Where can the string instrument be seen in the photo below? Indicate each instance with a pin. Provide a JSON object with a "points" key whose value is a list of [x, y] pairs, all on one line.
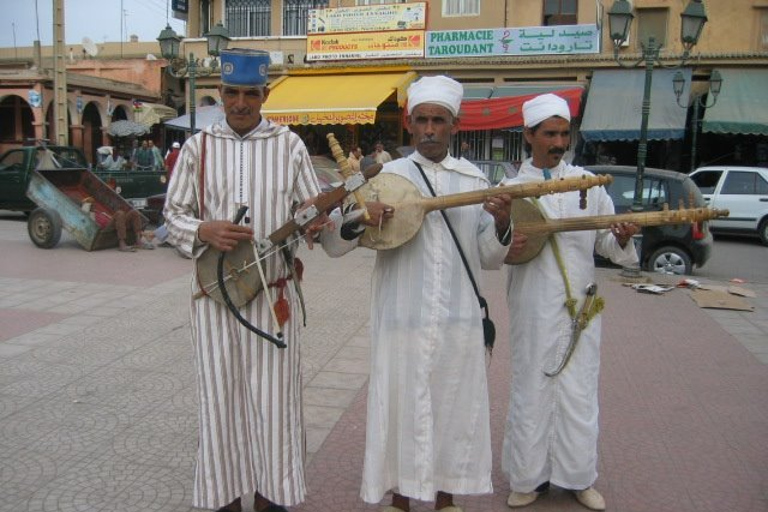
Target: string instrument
{"points": [[410, 206], [242, 273], [529, 220]]}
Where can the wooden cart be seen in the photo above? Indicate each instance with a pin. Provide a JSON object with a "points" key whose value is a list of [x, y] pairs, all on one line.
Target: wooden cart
{"points": [[59, 192]]}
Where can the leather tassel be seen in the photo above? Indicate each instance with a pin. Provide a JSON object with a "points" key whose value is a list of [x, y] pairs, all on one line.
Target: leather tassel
{"points": [[282, 309]]}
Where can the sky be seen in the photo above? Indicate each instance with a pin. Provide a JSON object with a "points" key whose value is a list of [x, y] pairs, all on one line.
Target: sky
{"points": [[98, 20]]}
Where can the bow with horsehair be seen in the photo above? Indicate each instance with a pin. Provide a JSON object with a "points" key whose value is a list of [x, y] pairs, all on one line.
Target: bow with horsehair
{"points": [[353, 181]]}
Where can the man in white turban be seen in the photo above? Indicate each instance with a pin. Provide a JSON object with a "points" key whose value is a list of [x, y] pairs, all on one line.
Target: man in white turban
{"points": [[428, 433], [552, 424]]}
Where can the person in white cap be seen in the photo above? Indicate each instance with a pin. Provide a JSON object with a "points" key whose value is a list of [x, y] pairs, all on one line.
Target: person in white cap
{"points": [[428, 433], [551, 429], [251, 433], [170, 160]]}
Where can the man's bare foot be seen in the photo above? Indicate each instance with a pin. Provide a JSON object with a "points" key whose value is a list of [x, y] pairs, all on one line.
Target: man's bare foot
{"points": [[123, 247], [261, 504], [232, 507], [401, 502], [443, 500]]}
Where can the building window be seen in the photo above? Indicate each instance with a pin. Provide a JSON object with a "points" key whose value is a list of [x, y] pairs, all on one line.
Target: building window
{"points": [[205, 17], [461, 7], [248, 18], [295, 14], [560, 12], [652, 22], [762, 33]]}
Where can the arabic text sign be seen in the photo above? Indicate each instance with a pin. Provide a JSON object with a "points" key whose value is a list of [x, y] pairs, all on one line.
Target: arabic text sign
{"points": [[305, 118], [553, 40], [367, 45], [368, 18]]}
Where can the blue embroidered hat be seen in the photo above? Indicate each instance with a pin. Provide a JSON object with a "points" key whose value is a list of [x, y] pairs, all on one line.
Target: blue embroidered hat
{"points": [[244, 67]]}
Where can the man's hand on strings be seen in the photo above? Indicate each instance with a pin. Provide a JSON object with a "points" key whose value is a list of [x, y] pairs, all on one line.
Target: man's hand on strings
{"points": [[501, 208], [223, 235], [316, 225], [378, 213], [623, 231]]}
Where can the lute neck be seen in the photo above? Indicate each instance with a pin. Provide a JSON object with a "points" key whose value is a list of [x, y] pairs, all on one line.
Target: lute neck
{"points": [[656, 218], [517, 191]]}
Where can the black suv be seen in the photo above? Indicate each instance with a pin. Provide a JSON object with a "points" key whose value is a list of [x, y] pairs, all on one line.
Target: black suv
{"points": [[672, 248]]}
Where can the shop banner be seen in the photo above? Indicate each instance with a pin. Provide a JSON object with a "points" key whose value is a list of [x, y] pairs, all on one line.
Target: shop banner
{"points": [[551, 40], [368, 18], [305, 118], [369, 45]]}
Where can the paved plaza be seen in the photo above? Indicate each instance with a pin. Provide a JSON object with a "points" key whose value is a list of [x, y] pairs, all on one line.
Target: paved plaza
{"points": [[97, 388]]}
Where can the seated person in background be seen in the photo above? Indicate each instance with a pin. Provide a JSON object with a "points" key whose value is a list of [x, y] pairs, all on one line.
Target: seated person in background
{"points": [[121, 219], [108, 161]]}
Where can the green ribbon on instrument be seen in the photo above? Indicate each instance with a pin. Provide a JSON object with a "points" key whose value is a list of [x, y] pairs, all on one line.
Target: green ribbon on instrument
{"points": [[570, 303]]}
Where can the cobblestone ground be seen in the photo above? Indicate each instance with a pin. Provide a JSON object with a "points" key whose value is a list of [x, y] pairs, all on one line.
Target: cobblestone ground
{"points": [[98, 412]]}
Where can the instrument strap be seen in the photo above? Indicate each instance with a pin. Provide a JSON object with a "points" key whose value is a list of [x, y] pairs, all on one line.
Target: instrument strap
{"points": [[480, 298], [202, 175], [570, 302]]}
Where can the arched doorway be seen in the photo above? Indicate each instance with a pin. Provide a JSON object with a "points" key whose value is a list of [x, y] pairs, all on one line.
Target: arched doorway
{"points": [[16, 118], [119, 114], [92, 137]]}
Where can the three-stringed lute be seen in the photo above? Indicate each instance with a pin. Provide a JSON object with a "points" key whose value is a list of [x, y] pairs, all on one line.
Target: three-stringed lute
{"points": [[529, 220], [410, 206]]}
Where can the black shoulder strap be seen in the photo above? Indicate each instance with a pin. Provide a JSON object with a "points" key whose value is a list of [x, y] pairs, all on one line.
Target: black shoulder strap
{"points": [[480, 298]]}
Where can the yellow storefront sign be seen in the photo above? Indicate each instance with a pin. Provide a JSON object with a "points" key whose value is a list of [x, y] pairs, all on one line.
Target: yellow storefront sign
{"points": [[367, 45]]}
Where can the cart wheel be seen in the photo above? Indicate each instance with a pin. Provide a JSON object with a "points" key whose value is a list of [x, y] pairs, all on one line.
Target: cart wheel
{"points": [[44, 228]]}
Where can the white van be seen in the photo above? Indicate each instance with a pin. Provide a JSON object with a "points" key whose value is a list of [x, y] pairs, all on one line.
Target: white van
{"points": [[741, 190]]}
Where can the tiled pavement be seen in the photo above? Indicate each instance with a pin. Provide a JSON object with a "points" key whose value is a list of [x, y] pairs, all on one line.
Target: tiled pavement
{"points": [[97, 404]]}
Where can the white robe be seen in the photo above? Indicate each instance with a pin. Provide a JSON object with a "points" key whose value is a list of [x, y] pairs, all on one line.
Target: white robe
{"points": [[428, 419], [552, 425], [251, 427]]}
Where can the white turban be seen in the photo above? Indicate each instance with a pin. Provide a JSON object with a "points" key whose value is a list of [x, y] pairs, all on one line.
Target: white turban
{"points": [[439, 90], [543, 107]]}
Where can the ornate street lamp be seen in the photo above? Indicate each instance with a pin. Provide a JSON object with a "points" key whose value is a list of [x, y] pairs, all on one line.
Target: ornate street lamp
{"points": [[619, 21], [218, 39], [715, 84]]}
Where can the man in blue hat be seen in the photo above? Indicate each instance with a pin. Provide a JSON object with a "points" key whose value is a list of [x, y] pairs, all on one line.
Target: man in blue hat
{"points": [[251, 428]]}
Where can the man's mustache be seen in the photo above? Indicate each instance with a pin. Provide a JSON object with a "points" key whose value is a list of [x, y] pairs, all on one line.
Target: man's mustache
{"points": [[556, 151]]}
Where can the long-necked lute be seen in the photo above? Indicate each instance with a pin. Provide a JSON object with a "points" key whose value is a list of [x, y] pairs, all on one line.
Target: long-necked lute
{"points": [[410, 206], [530, 221]]}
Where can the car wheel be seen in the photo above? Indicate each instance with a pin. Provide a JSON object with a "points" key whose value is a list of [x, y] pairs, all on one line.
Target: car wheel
{"points": [[44, 228], [763, 230], [670, 260]]}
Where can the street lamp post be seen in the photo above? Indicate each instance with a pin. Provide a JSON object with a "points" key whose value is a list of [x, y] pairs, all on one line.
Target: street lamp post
{"points": [[619, 21], [170, 43], [715, 84]]}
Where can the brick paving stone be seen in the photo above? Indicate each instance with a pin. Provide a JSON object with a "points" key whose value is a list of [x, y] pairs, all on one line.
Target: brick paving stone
{"points": [[101, 414]]}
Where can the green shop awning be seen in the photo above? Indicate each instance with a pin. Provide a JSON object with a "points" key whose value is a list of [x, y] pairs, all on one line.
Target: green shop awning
{"points": [[742, 105], [615, 105]]}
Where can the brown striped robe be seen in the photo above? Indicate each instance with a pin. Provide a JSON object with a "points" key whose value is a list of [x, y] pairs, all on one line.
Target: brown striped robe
{"points": [[251, 427]]}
